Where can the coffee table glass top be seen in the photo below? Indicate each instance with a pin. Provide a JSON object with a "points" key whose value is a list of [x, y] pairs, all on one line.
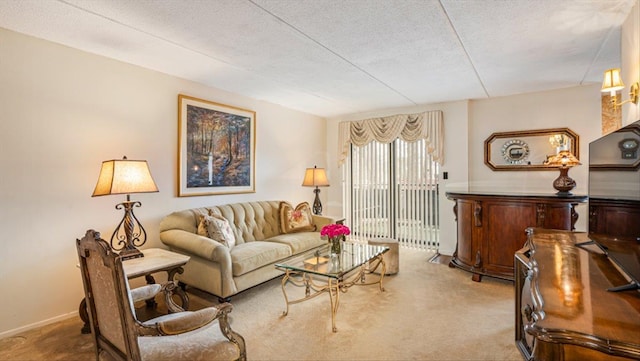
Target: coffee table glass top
{"points": [[319, 261]]}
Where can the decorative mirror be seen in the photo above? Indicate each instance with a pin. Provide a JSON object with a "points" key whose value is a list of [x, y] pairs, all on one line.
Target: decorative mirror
{"points": [[529, 149], [618, 151], [515, 151], [629, 148]]}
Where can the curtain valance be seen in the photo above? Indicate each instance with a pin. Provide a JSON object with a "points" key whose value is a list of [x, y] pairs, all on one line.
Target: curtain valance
{"points": [[408, 127]]}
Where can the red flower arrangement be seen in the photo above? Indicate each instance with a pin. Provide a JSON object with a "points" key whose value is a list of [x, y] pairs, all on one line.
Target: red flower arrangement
{"points": [[334, 230], [336, 234]]}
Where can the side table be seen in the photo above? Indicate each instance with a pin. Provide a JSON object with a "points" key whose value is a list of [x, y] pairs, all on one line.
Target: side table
{"points": [[154, 260]]}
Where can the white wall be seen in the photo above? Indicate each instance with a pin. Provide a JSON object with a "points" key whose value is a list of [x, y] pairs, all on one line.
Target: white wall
{"points": [[630, 62], [63, 112]]}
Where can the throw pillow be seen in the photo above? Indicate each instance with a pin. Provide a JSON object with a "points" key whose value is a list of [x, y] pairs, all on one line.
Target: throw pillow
{"points": [[217, 228], [202, 227], [298, 219]]}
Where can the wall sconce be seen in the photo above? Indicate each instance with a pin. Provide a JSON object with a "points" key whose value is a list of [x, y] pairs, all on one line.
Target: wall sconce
{"points": [[316, 177], [612, 83], [123, 176]]}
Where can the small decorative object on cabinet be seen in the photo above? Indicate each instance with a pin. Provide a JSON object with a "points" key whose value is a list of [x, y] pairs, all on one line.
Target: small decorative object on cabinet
{"points": [[563, 308], [563, 161], [491, 227]]}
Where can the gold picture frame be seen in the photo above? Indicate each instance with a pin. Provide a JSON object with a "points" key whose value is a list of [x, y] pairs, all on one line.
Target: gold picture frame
{"points": [[216, 148]]}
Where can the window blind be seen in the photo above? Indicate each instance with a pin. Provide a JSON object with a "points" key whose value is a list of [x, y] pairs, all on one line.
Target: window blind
{"points": [[391, 191]]}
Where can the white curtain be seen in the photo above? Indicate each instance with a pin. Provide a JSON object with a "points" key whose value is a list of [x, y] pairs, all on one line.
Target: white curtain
{"points": [[408, 127]]}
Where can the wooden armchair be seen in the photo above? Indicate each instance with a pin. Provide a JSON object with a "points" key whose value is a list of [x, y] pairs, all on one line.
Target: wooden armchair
{"points": [[200, 335]]}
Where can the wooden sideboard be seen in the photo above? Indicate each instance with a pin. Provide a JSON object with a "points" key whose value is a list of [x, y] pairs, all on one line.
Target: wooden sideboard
{"points": [[614, 217], [491, 227], [563, 308]]}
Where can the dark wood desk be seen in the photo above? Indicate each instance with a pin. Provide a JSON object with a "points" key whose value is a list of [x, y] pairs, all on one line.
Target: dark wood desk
{"points": [[563, 308]]}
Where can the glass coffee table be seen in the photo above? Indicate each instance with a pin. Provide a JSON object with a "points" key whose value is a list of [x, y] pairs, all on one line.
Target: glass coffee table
{"points": [[319, 272]]}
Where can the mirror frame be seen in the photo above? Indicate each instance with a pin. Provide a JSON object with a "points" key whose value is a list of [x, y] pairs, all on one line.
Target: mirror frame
{"points": [[575, 147], [633, 129]]}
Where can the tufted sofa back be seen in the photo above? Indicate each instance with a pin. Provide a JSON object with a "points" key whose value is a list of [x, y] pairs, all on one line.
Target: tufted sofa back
{"points": [[250, 221]]}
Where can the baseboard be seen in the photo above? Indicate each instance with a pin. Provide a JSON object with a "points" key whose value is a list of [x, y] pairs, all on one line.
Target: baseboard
{"points": [[32, 326]]}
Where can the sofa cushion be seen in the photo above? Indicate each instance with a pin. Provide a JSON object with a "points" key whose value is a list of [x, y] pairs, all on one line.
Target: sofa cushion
{"points": [[249, 256], [299, 242], [252, 221], [217, 228], [298, 219]]}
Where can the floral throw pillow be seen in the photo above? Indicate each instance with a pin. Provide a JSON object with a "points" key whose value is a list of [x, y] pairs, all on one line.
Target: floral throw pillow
{"points": [[298, 219], [217, 228]]}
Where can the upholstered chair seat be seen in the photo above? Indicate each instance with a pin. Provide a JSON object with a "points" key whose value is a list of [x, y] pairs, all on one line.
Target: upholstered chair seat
{"points": [[186, 345]]}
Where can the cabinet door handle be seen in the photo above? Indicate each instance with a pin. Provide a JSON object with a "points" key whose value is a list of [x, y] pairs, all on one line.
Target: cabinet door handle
{"points": [[478, 264], [477, 213]]}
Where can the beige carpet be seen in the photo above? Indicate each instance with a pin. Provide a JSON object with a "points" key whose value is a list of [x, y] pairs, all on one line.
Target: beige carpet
{"points": [[428, 312]]}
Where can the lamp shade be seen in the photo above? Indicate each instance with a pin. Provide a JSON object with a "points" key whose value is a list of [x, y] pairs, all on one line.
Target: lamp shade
{"points": [[563, 159], [315, 177], [612, 81], [123, 176]]}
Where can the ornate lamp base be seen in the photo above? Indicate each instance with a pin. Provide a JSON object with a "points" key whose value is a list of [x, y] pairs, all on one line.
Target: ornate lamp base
{"points": [[129, 233], [564, 184], [129, 253], [317, 206]]}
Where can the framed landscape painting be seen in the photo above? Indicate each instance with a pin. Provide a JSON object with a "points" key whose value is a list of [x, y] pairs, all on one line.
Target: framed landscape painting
{"points": [[216, 148]]}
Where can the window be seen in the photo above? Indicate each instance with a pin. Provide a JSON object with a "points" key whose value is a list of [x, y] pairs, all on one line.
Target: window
{"points": [[391, 191]]}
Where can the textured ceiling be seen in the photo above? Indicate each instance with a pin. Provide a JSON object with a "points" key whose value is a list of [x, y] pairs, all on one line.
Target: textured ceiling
{"points": [[333, 57]]}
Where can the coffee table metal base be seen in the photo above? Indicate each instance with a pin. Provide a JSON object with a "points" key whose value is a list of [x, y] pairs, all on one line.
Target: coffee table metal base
{"points": [[333, 286]]}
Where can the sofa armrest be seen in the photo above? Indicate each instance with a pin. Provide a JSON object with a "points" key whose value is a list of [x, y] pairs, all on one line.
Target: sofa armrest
{"points": [[321, 221], [197, 245]]}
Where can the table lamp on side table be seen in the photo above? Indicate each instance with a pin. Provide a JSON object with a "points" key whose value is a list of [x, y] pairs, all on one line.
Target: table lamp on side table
{"points": [[124, 176], [316, 177]]}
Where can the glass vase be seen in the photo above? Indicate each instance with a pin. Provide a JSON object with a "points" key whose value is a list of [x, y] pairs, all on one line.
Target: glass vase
{"points": [[336, 244]]}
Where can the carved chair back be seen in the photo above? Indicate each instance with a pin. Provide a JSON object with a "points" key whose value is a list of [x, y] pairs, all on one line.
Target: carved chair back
{"points": [[106, 291]]}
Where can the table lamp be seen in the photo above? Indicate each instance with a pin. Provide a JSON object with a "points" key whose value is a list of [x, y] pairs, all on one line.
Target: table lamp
{"points": [[316, 177], [563, 160], [124, 176]]}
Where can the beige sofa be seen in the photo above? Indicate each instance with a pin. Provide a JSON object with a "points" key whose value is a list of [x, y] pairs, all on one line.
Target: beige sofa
{"points": [[259, 244]]}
